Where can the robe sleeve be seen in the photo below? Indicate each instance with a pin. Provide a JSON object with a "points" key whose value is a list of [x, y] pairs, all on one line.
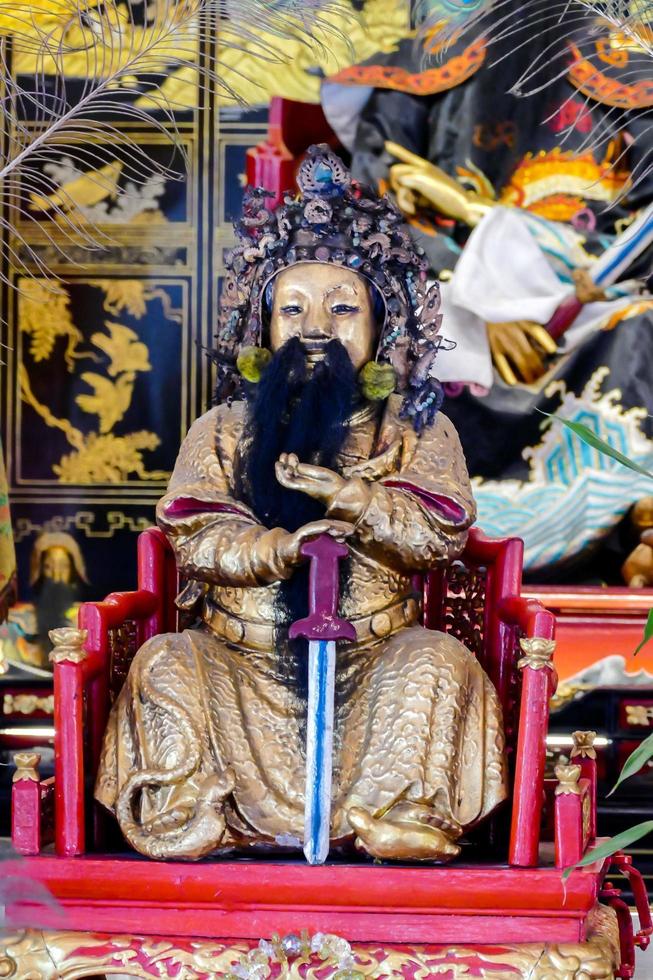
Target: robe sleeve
{"points": [[216, 538], [418, 516]]}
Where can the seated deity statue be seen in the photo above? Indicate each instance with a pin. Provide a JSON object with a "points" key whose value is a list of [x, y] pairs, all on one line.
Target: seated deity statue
{"points": [[326, 421]]}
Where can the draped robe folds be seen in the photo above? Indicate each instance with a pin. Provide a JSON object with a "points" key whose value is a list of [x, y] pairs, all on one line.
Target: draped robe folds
{"points": [[204, 749]]}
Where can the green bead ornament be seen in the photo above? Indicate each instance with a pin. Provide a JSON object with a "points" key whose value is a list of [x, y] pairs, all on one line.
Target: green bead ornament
{"points": [[377, 381], [252, 362]]}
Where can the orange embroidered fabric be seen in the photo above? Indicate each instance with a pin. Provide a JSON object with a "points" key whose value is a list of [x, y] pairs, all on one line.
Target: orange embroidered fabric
{"points": [[591, 81], [429, 82]]}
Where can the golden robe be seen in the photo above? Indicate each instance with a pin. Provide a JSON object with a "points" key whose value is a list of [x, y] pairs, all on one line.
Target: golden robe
{"points": [[204, 748]]}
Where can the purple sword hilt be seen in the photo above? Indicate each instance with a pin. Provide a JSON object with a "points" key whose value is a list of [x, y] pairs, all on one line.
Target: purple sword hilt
{"points": [[564, 316], [323, 622]]}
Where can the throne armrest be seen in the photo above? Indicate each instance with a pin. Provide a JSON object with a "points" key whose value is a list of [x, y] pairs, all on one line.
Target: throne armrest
{"points": [[535, 627], [81, 679], [573, 815]]}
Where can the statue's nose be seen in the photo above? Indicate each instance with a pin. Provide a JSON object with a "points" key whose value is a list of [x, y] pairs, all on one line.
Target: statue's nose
{"points": [[316, 331], [318, 326]]}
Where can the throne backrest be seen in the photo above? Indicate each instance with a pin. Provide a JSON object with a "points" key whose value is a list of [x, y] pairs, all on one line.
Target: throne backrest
{"points": [[467, 600]]}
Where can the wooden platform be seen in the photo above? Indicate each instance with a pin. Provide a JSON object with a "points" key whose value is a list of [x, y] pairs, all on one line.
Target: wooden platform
{"points": [[367, 903]]}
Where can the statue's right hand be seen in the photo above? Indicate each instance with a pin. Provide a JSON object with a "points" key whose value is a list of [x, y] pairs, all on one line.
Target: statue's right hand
{"points": [[289, 549]]}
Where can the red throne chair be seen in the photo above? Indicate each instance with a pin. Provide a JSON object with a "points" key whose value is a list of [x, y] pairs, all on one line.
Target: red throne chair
{"points": [[111, 910]]}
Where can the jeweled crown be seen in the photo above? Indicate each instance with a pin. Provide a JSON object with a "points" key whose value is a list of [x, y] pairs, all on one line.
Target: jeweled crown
{"points": [[334, 219]]}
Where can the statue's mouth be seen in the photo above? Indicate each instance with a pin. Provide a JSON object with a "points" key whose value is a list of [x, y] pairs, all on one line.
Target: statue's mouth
{"points": [[315, 349]]}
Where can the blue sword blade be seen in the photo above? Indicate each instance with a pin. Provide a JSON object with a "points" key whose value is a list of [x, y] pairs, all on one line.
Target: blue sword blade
{"points": [[319, 749]]}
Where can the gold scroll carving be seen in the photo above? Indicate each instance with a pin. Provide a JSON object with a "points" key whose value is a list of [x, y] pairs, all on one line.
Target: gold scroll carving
{"points": [[64, 955]]}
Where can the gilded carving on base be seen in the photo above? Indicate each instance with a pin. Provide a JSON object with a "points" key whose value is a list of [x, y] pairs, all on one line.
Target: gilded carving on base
{"points": [[67, 955]]}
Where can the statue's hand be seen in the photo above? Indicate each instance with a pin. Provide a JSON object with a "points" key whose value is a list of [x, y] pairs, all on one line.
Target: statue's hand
{"points": [[519, 350], [416, 178], [289, 548], [316, 481]]}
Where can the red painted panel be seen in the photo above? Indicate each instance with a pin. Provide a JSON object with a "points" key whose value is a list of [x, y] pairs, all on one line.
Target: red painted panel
{"points": [[278, 884], [258, 922], [26, 816], [568, 829]]}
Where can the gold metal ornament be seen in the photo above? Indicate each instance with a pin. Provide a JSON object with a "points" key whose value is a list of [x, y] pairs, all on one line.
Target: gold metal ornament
{"points": [[68, 645], [538, 653], [583, 745], [26, 767], [567, 777]]}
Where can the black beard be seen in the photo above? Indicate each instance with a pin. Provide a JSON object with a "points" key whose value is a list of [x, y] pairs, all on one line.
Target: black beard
{"points": [[293, 411]]}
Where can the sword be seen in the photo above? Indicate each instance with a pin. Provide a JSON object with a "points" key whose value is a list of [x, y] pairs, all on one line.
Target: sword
{"points": [[621, 253], [322, 627]]}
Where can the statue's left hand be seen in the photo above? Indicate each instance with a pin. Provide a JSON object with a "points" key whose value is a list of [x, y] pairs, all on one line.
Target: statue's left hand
{"points": [[519, 350], [317, 481]]}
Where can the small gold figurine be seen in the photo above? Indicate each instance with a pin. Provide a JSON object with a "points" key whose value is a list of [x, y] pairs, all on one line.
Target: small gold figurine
{"points": [[205, 747]]}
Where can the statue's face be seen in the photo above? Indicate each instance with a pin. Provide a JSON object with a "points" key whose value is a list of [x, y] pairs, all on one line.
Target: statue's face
{"points": [[318, 302], [57, 565]]}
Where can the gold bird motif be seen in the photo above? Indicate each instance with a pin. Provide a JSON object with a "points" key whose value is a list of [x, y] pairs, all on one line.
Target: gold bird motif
{"points": [[110, 399]]}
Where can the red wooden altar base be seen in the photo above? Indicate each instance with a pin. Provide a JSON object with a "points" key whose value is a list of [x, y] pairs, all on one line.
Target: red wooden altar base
{"points": [[488, 905]]}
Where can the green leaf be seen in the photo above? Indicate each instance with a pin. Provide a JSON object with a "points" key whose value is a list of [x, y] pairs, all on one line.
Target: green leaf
{"points": [[609, 847], [637, 758], [648, 632], [591, 439]]}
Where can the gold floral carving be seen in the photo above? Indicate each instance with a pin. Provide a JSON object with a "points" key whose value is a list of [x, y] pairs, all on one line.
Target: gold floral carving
{"points": [[538, 653], [583, 745], [98, 456], [639, 714], [68, 645], [26, 769], [94, 195], [567, 777], [566, 693], [27, 704], [66, 955], [44, 317]]}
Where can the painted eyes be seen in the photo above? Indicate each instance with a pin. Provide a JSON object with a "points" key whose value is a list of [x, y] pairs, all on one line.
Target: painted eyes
{"points": [[340, 309], [344, 309]]}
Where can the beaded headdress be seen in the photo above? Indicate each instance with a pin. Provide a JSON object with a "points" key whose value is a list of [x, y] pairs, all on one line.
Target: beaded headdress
{"points": [[334, 219]]}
